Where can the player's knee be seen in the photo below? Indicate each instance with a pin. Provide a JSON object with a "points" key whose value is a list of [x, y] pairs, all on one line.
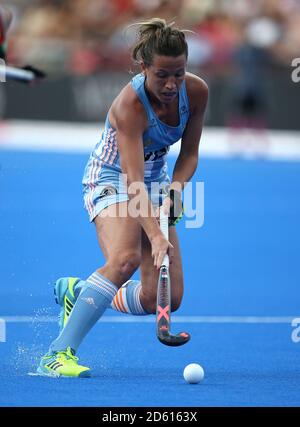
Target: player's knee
{"points": [[127, 263]]}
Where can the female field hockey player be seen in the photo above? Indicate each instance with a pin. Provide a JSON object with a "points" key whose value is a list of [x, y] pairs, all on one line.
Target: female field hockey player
{"points": [[158, 107]]}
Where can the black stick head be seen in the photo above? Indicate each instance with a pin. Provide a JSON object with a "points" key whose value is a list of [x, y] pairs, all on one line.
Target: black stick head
{"points": [[173, 340], [38, 74]]}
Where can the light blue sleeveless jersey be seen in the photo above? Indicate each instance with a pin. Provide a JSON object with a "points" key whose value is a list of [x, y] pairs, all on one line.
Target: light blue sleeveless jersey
{"points": [[156, 139]]}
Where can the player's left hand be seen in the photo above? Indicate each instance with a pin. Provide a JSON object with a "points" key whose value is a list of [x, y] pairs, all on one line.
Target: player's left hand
{"points": [[172, 206]]}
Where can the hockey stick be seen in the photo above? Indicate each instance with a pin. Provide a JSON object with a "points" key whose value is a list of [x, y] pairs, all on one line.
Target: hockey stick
{"points": [[163, 307], [27, 74]]}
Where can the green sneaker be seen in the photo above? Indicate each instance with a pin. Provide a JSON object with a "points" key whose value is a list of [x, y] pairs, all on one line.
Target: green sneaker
{"points": [[62, 364], [65, 297]]}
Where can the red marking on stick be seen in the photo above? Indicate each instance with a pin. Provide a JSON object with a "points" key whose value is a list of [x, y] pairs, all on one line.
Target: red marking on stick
{"points": [[163, 312]]}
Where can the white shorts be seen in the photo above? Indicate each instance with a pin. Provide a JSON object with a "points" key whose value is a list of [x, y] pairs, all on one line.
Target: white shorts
{"points": [[104, 185]]}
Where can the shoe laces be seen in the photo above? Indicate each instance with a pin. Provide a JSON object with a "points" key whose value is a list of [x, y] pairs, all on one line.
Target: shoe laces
{"points": [[68, 354]]}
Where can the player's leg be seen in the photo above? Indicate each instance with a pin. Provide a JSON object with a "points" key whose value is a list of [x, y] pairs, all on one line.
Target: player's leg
{"points": [[102, 187], [149, 275], [122, 259], [119, 239], [127, 298], [138, 297], [121, 254]]}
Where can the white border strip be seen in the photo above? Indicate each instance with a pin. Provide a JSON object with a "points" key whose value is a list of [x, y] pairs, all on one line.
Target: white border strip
{"points": [[82, 137], [2, 330], [151, 319]]}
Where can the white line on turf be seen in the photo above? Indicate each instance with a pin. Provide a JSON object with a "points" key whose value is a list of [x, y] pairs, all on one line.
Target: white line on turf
{"points": [[151, 319]]}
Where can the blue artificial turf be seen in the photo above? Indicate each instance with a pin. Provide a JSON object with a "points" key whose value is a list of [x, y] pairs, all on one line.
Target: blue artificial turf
{"points": [[242, 262]]}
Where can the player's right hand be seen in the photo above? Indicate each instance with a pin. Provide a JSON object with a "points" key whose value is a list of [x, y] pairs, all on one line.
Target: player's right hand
{"points": [[160, 247]]}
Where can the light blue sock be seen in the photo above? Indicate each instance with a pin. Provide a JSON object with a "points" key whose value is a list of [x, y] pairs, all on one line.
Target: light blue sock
{"points": [[127, 299], [95, 296]]}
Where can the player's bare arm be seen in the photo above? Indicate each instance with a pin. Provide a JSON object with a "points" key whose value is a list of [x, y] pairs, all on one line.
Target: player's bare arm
{"points": [[187, 160]]}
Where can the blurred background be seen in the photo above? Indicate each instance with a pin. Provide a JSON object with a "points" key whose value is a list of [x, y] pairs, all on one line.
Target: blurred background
{"points": [[242, 48]]}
